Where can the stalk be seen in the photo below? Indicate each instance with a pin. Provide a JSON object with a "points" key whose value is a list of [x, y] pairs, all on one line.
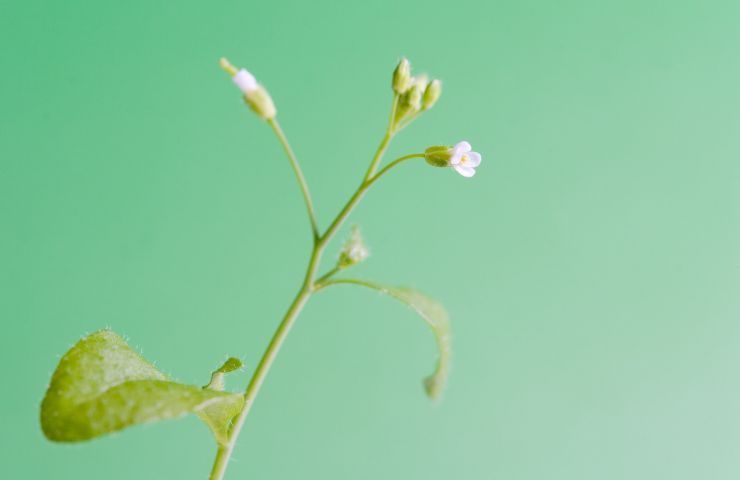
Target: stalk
{"points": [[309, 286]]}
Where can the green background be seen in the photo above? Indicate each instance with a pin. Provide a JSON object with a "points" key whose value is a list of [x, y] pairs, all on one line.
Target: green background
{"points": [[591, 268]]}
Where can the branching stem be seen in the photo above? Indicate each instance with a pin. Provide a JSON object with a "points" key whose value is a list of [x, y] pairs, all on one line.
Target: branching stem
{"points": [[310, 282]]}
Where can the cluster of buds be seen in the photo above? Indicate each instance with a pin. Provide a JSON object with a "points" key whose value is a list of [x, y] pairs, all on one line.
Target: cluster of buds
{"points": [[255, 95], [415, 94], [354, 250]]}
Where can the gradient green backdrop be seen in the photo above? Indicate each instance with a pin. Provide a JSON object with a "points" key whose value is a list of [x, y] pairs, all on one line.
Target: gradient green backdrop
{"points": [[591, 268]]}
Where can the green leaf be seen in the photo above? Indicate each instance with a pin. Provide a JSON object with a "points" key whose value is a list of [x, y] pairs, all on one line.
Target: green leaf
{"points": [[435, 316], [217, 377], [102, 385]]}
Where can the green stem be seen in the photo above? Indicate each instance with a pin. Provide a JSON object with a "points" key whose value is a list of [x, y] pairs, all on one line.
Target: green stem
{"points": [[327, 275], [310, 285], [405, 123], [393, 164], [389, 133], [224, 452], [320, 285], [299, 175], [357, 196], [220, 463]]}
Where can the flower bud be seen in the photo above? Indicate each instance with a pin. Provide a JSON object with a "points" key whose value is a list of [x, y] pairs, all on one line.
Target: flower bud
{"points": [[410, 101], [245, 81], [438, 155], [413, 96], [255, 94], [431, 94], [354, 250], [261, 103], [402, 76]]}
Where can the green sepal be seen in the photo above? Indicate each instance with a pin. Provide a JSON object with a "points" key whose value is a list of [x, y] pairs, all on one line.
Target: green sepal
{"points": [[261, 103], [402, 76], [438, 155], [431, 94], [102, 385]]}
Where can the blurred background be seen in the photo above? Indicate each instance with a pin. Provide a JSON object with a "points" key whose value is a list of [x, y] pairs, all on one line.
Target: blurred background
{"points": [[591, 268]]}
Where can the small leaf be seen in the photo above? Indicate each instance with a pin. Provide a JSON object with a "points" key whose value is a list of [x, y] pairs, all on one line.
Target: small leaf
{"points": [[435, 316], [217, 377], [216, 416], [102, 385], [230, 365]]}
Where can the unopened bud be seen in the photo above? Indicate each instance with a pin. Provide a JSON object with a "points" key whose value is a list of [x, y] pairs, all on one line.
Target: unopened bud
{"points": [[413, 99], [438, 155], [261, 103], [402, 76], [410, 101], [245, 81], [431, 94], [255, 94], [354, 250]]}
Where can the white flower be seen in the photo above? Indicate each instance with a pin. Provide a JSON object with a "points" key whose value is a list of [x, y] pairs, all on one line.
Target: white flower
{"points": [[463, 160], [245, 81]]}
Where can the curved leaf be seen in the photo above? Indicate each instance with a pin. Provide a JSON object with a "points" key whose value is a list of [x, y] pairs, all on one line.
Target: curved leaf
{"points": [[435, 316], [102, 385], [217, 377]]}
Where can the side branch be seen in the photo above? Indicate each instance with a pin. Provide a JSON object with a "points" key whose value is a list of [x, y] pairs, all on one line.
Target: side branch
{"points": [[299, 175], [355, 199]]}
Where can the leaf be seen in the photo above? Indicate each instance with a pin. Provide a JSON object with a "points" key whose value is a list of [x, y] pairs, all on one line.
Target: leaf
{"points": [[435, 316], [216, 416], [217, 377], [102, 385]]}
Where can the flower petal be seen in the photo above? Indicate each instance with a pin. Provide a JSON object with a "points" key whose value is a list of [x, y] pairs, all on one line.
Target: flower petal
{"points": [[464, 171], [462, 147], [456, 157], [245, 81], [474, 159]]}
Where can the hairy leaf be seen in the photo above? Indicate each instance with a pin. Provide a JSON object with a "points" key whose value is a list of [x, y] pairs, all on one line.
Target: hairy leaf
{"points": [[435, 316], [102, 385]]}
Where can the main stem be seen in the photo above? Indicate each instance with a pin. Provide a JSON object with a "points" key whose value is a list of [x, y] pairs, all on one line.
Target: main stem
{"points": [[310, 284], [224, 452]]}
